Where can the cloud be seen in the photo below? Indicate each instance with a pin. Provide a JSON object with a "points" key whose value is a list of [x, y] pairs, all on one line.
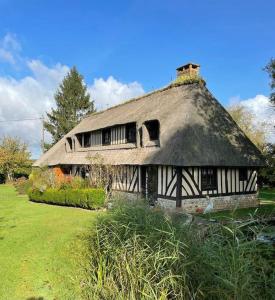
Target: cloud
{"points": [[29, 98], [110, 92], [262, 110], [9, 49], [33, 95]]}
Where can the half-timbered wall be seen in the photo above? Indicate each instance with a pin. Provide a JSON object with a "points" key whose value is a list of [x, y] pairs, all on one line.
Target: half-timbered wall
{"points": [[167, 181], [126, 178], [190, 182]]}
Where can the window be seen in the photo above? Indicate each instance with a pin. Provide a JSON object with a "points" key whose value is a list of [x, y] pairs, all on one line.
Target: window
{"points": [[87, 139], [243, 174], [70, 143], [153, 129], [131, 132], [106, 136], [79, 139], [208, 179]]}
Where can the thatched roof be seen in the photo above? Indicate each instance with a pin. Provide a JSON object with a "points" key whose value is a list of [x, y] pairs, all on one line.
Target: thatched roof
{"points": [[195, 130]]}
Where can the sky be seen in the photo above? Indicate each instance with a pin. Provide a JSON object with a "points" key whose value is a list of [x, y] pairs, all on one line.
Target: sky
{"points": [[127, 48]]}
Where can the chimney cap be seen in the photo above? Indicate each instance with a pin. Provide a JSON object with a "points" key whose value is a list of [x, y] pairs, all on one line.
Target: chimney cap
{"points": [[186, 66]]}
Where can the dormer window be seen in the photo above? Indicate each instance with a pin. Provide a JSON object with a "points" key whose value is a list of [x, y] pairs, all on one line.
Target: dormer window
{"points": [[131, 133], [152, 127], [87, 139], [106, 136], [69, 144]]}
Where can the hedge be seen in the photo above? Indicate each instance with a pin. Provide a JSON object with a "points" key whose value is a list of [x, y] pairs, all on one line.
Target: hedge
{"points": [[84, 198]]}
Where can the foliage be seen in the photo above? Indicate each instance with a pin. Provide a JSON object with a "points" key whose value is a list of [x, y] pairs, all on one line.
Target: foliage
{"points": [[73, 104], [101, 173], [138, 253], [266, 175], [44, 178], [22, 185], [14, 157], [187, 79], [270, 68], [84, 198], [246, 121], [42, 248]]}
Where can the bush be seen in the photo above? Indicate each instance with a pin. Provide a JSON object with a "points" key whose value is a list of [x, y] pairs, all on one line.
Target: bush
{"points": [[84, 198], [138, 253], [22, 185]]}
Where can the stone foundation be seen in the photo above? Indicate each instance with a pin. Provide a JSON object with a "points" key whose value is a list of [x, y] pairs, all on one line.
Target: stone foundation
{"points": [[228, 202], [195, 205], [125, 195]]}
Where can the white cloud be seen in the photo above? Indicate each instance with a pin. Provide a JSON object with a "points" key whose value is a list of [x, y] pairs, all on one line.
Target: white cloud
{"points": [[9, 49], [28, 98], [263, 111], [6, 56], [109, 92], [33, 95]]}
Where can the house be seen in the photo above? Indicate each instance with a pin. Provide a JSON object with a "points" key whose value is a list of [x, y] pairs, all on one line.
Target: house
{"points": [[176, 146]]}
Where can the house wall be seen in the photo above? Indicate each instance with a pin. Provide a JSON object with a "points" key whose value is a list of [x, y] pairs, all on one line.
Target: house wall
{"points": [[126, 179], [228, 182], [181, 187]]}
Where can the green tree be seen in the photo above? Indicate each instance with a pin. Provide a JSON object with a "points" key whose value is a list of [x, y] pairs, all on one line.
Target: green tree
{"points": [[14, 157], [245, 119], [267, 175], [270, 68], [72, 105]]}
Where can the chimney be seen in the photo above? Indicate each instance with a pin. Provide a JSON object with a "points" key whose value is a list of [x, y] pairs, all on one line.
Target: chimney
{"points": [[189, 69]]}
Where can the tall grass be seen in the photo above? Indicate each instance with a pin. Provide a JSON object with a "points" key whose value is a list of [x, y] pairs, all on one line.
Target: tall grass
{"points": [[138, 253]]}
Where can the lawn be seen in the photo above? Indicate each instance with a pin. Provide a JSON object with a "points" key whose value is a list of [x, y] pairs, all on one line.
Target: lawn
{"points": [[265, 209], [41, 248]]}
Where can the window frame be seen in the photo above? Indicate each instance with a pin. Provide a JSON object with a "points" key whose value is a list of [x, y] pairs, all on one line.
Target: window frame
{"points": [[209, 181]]}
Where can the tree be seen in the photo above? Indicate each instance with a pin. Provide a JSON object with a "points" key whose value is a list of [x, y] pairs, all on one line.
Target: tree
{"points": [[72, 105], [245, 119], [14, 157], [267, 175], [270, 68]]}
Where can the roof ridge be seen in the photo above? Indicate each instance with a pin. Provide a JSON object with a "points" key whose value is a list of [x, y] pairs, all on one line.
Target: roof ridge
{"points": [[171, 85]]}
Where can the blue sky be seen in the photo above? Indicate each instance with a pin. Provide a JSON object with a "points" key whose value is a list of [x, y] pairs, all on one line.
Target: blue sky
{"points": [[143, 41]]}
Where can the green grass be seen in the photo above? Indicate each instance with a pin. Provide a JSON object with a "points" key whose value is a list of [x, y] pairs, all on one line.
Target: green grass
{"points": [[265, 209], [140, 253], [41, 248]]}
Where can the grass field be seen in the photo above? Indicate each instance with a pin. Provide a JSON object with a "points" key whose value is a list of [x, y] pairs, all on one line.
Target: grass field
{"points": [[265, 209], [41, 248]]}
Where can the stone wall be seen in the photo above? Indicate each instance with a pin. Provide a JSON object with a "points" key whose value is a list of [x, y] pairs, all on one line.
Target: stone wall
{"points": [[228, 202], [125, 195]]}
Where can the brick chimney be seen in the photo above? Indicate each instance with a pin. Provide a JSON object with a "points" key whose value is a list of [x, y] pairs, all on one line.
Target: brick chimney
{"points": [[189, 69]]}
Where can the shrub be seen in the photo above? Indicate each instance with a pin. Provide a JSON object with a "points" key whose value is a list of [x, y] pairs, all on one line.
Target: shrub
{"points": [[84, 198], [138, 253], [22, 185]]}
